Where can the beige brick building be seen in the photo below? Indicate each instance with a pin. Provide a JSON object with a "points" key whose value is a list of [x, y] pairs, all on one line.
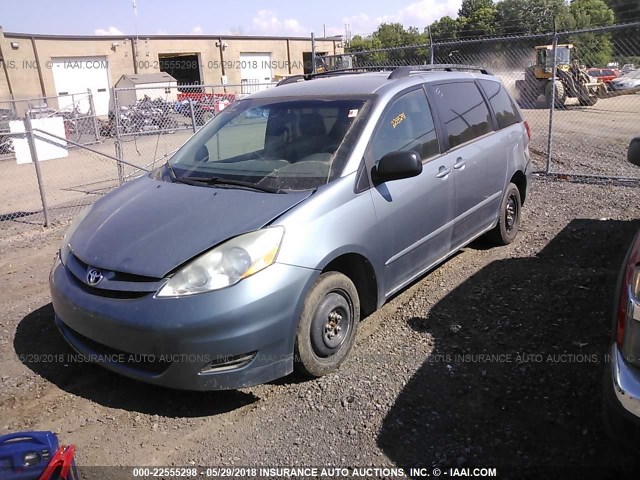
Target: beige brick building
{"points": [[34, 66]]}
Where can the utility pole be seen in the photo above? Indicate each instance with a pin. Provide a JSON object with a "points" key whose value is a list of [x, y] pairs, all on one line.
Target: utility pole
{"points": [[554, 50], [313, 53], [431, 49], [135, 28]]}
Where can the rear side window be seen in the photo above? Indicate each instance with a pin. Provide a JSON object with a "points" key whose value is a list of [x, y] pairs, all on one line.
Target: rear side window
{"points": [[406, 125], [501, 103], [463, 110]]}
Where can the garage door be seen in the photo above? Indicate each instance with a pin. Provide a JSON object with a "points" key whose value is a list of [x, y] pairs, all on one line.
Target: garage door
{"points": [[77, 75], [255, 69]]}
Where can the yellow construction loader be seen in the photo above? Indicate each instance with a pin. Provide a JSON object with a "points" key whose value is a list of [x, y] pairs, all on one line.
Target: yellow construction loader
{"points": [[571, 80]]}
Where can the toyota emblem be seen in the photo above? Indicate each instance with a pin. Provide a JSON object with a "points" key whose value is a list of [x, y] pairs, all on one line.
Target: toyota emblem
{"points": [[94, 276]]}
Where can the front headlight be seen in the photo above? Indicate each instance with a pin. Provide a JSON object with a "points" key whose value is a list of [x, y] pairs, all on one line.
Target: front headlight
{"points": [[65, 249], [226, 264]]}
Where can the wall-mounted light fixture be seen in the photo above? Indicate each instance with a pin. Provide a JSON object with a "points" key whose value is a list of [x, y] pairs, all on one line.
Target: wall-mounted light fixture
{"points": [[15, 45], [224, 45], [114, 45]]}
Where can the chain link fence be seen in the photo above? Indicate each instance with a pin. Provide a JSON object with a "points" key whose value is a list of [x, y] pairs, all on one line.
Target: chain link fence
{"points": [[50, 172], [44, 158], [581, 122], [586, 130], [149, 123]]}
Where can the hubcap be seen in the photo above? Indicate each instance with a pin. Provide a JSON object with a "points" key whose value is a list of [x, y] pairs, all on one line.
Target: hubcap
{"points": [[333, 329], [331, 325]]}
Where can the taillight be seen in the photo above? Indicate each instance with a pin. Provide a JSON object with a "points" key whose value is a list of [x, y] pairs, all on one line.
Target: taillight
{"points": [[528, 129], [630, 285]]}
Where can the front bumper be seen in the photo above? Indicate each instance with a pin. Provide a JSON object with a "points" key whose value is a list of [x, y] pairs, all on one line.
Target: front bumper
{"points": [[186, 342]]}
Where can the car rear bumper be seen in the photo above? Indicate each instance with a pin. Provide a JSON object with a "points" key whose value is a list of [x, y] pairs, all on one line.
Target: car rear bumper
{"points": [[625, 383], [231, 338]]}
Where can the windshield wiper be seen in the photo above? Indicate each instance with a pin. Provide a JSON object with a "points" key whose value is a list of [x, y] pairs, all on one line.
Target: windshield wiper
{"points": [[226, 181], [172, 173]]}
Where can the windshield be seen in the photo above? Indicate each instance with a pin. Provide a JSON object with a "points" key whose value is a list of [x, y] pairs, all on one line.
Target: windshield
{"points": [[601, 73], [277, 144], [563, 56], [633, 74]]}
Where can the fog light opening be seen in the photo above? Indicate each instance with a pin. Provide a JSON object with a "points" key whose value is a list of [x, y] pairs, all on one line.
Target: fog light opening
{"points": [[228, 362]]}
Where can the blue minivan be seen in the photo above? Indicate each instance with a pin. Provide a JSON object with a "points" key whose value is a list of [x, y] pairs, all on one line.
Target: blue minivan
{"points": [[290, 216]]}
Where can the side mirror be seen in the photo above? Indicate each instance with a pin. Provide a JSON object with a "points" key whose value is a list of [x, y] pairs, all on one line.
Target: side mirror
{"points": [[633, 153], [397, 165]]}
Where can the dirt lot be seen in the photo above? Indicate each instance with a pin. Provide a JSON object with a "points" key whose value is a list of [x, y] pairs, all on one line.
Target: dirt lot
{"points": [[589, 140], [407, 396]]}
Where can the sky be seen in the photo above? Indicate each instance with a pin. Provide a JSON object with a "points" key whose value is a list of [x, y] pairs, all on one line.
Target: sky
{"points": [[211, 17]]}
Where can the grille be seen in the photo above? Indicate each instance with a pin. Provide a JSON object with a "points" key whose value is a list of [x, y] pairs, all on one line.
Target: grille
{"points": [[114, 284], [146, 363], [101, 292]]}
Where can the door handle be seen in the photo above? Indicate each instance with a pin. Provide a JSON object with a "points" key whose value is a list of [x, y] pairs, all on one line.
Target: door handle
{"points": [[459, 163], [443, 172]]}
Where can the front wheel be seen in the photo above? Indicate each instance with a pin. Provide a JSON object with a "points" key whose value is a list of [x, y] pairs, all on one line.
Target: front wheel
{"points": [[327, 327], [508, 225], [560, 94]]}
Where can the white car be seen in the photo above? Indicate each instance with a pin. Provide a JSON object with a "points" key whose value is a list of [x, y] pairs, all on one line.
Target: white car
{"points": [[627, 82]]}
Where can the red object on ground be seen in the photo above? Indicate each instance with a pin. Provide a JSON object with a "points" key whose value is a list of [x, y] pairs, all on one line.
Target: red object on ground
{"points": [[206, 97], [62, 465]]}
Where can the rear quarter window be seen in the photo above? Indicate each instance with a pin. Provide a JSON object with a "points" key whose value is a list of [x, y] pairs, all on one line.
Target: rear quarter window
{"points": [[501, 103], [463, 111]]}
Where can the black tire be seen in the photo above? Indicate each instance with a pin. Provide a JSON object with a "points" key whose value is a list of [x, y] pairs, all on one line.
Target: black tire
{"points": [[327, 326], [560, 94], [508, 225]]}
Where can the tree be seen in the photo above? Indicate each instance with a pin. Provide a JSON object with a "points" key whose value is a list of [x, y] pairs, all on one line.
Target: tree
{"points": [[531, 16], [390, 35], [594, 49], [591, 13], [481, 23], [468, 7], [625, 10], [395, 35], [446, 28], [360, 44], [477, 18]]}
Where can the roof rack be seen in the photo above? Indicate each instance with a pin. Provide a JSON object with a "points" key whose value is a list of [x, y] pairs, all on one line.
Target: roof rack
{"points": [[401, 72], [398, 72], [343, 71], [329, 73], [291, 79]]}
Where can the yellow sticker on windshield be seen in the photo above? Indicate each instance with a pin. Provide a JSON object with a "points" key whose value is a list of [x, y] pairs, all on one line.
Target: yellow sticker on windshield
{"points": [[398, 120]]}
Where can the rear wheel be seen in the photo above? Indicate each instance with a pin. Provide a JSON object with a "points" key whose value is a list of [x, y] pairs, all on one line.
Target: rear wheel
{"points": [[327, 327], [527, 93], [508, 225]]}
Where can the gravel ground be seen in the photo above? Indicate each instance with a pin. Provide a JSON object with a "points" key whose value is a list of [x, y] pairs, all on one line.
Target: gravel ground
{"points": [[589, 140], [493, 359]]}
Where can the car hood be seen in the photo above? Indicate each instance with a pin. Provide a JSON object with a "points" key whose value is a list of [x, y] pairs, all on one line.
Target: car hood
{"points": [[627, 81], [149, 227]]}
